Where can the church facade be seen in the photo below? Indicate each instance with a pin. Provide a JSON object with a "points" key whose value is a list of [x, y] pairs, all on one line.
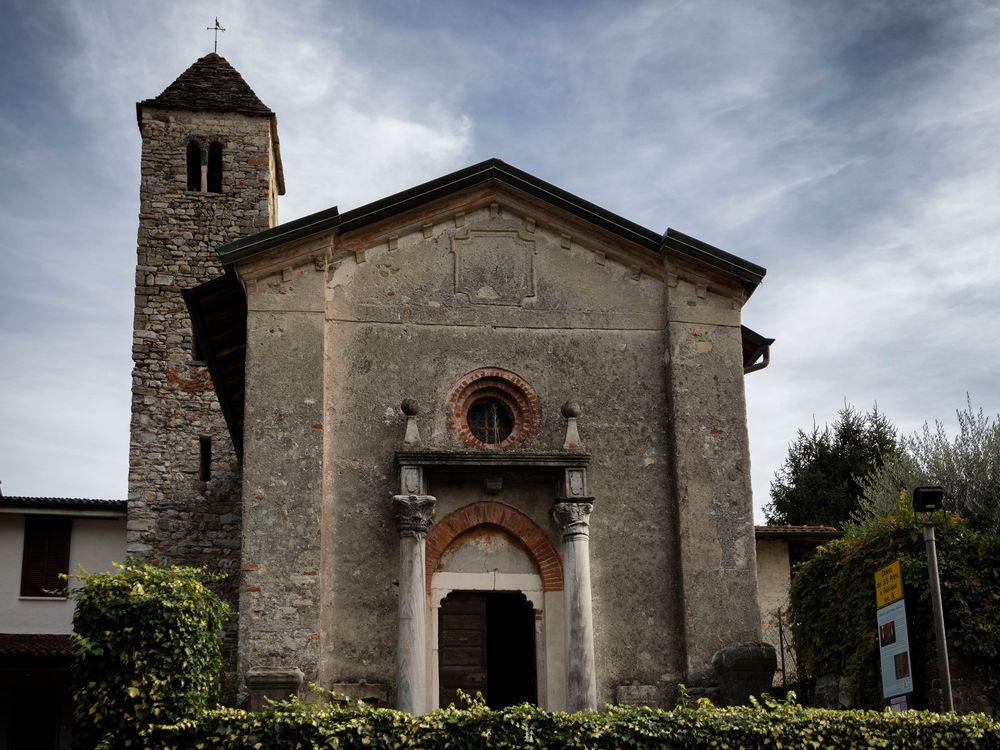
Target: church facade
{"points": [[479, 435]]}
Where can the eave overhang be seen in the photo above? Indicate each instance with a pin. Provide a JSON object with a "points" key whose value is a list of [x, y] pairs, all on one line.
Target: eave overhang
{"points": [[756, 350], [218, 310], [494, 170]]}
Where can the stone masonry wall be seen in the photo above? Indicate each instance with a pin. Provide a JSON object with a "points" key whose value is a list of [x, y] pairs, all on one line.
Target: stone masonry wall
{"points": [[173, 516]]}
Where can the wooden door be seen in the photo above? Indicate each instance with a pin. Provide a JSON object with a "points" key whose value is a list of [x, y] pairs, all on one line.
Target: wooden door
{"points": [[462, 646]]}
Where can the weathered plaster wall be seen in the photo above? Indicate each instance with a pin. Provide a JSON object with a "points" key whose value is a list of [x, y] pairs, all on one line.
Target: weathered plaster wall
{"points": [[408, 309], [711, 457], [173, 517], [573, 328], [280, 598], [578, 325], [773, 581]]}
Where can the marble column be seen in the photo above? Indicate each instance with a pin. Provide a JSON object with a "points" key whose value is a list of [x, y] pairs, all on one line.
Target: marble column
{"points": [[581, 682], [415, 513]]}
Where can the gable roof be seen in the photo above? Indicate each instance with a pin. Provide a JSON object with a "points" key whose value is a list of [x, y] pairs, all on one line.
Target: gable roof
{"points": [[218, 307], [496, 170], [212, 84]]}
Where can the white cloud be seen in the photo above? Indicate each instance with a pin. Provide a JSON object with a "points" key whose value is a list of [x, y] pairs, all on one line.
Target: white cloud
{"points": [[850, 148]]}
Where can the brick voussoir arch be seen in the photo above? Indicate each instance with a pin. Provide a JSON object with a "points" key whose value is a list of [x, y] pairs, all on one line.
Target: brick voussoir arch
{"points": [[508, 518]]}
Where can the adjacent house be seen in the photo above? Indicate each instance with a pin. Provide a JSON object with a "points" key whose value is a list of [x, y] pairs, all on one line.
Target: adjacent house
{"points": [[42, 540]]}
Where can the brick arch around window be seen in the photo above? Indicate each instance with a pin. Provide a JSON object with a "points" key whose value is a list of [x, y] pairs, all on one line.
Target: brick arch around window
{"points": [[508, 518]]}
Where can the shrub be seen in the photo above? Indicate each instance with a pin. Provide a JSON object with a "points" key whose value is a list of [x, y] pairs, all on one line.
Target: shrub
{"points": [[294, 725], [147, 649], [833, 601]]}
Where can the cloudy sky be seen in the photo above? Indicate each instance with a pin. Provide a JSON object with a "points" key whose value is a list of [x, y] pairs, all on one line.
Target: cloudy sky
{"points": [[851, 148]]}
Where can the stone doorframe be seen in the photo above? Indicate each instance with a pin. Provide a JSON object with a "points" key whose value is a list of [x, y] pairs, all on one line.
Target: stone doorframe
{"points": [[545, 586], [527, 584]]}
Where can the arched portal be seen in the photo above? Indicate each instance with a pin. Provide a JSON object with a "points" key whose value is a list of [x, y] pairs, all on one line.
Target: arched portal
{"points": [[443, 534], [496, 609]]}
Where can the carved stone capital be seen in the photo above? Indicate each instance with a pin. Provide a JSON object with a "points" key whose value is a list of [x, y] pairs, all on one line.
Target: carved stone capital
{"points": [[414, 512], [574, 518]]}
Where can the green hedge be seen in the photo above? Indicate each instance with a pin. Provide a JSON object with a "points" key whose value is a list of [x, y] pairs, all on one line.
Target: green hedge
{"points": [[833, 602], [295, 725], [147, 649]]}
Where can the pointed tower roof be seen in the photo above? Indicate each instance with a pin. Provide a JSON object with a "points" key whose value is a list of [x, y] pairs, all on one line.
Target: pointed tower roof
{"points": [[211, 83]]}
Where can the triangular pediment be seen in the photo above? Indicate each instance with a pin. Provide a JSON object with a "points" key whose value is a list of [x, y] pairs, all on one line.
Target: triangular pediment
{"points": [[482, 183], [487, 216]]}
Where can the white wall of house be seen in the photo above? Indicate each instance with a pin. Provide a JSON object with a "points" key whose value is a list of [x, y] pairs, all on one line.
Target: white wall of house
{"points": [[773, 581], [94, 544]]}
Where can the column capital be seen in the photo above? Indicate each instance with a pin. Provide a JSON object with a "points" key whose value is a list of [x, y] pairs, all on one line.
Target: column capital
{"points": [[414, 513], [574, 517]]}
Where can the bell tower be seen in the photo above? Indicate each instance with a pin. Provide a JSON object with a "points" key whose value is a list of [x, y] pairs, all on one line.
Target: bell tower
{"points": [[211, 174]]}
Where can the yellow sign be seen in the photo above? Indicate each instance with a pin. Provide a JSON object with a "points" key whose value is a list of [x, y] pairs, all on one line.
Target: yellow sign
{"points": [[888, 585]]}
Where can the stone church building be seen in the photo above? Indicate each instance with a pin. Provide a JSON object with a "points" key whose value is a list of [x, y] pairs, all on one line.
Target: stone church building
{"points": [[478, 435]]}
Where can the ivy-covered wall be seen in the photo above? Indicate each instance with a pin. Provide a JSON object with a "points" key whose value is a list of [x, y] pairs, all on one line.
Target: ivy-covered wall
{"points": [[833, 610]]}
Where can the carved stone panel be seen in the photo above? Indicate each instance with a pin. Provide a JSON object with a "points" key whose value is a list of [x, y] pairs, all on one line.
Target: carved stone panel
{"points": [[494, 266]]}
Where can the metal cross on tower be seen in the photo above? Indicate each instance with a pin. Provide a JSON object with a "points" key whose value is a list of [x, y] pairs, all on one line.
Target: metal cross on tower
{"points": [[217, 28]]}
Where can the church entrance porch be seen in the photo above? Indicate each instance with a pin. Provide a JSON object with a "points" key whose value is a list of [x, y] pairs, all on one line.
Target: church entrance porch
{"points": [[486, 644]]}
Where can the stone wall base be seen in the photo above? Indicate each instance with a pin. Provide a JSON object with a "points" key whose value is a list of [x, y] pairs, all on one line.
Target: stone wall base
{"points": [[272, 683]]}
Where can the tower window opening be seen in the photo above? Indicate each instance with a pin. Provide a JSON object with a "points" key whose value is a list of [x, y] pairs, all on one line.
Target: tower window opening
{"points": [[215, 168], [193, 166], [205, 464], [197, 355]]}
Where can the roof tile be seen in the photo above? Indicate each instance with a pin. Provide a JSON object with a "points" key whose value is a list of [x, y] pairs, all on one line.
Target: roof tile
{"points": [[35, 644], [19, 501]]}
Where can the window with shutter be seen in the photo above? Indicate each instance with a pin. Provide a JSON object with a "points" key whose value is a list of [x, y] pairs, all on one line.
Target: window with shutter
{"points": [[46, 556]]}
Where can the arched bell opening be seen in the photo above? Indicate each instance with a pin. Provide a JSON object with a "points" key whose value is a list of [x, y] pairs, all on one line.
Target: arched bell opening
{"points": [[214, 172], [194, 166]]}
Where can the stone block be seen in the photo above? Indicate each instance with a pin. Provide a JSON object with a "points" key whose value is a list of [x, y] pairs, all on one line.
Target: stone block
{"points": [[743, 670], [272, 683], [374, 694], [637, 695]]}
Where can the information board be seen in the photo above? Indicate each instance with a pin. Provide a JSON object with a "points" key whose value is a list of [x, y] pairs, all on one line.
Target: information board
{"points": [[888, 585], [893, 639]]}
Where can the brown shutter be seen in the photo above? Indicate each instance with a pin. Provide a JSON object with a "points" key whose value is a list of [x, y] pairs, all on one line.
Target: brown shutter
{"points": [[46, 555]]}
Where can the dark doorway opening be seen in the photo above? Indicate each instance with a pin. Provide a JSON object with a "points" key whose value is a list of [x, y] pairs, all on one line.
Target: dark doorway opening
{"points": [[486, 644]]}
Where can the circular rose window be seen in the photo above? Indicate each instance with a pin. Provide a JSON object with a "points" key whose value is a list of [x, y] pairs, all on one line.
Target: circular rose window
{"points": [[490, 421], [492, 408]]}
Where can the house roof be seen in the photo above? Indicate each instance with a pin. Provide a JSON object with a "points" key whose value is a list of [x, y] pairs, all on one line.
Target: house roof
{"points": [[211, 83], [798, 533], [47, 503], [35, 644]]}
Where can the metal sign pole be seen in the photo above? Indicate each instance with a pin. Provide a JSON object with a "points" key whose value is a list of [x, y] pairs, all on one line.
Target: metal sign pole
{"points": [[942, 642]]}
